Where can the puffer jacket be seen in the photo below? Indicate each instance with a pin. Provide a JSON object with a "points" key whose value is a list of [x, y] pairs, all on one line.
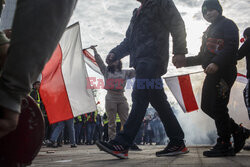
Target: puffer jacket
{"points": [[147, 37], [220, 44]]}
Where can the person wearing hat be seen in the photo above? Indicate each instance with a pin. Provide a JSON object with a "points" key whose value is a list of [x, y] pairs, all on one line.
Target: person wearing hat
{"points": [[218, 58]]}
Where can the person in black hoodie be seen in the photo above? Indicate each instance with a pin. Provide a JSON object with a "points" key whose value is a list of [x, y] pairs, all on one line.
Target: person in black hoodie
{"points": [[244, 51], [218, 58]]}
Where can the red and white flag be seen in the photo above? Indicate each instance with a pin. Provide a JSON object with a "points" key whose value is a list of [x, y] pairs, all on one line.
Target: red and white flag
{"points": [[241, 78], [182, 90], [90, 61], [64, 80]]}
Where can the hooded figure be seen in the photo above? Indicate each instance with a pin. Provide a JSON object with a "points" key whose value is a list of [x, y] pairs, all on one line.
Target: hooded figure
{"points": [[218, 58], [210, 5]]}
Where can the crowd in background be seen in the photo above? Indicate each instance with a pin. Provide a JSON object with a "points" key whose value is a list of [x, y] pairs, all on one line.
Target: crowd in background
{"points": [[86, 129], [92, 126]]}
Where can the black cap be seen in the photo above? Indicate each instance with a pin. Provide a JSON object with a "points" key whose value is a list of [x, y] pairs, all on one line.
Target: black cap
{"points": [[210, 5], [246, 33], [36, 82]]}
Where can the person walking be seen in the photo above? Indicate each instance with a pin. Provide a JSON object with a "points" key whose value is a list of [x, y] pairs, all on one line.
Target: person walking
{"points": [[147, 43], [244, 51], [218, 58]]}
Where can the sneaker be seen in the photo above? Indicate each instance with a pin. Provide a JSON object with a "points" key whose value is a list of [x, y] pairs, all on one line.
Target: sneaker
{"points": [[134, 147], [59, 144], [80, 143], [173, 149], [221, 149], [246, 148], [73, 146], [52, 144], [240, 138], [113, 148]]}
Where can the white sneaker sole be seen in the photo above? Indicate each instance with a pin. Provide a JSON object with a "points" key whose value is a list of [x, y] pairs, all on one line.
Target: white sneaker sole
{"points": [[107, 150], [173, 153]]}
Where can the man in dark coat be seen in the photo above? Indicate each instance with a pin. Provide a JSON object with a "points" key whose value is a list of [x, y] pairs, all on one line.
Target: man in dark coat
{"points": [[147, 43], [218, 58], [244, 51]]}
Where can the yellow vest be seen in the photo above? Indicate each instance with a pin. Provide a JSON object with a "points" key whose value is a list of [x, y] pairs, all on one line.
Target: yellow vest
{"points": [[117, 118], [94, 116], [38, 98]]}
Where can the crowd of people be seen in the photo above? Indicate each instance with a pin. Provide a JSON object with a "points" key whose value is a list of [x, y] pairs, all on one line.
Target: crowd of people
{"points": [[147, 43], [88, 128]]}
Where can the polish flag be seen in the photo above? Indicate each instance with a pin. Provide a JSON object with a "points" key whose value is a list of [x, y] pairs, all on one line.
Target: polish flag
{"points": [[182, 90], [241, 78], [64, 80], [90, 61]]}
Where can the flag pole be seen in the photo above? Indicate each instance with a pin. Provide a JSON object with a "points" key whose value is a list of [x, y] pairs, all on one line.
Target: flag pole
{"points": [[90, 47], [196, 72]]}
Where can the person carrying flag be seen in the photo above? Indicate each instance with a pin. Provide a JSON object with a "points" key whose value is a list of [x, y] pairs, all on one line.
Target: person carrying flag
{"points": [[218, 58]]}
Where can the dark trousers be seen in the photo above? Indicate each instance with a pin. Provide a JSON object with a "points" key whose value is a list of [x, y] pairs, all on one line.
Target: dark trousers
{"points": [[215, 97], [83, 134], [90, 131], [78, 127], [148, 136], [105, 133], [141, 97], [47, 128], [246, 95], [98, 133]]}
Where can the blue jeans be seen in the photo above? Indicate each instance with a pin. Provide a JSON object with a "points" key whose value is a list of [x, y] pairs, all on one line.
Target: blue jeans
{"points": [[60, 127], [90, 131], [78, 128], [141, 98]]}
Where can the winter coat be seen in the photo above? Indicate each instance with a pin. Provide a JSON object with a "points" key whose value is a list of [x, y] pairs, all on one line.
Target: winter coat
{"points": [[245, 51], [220, 44], [147, 37]]}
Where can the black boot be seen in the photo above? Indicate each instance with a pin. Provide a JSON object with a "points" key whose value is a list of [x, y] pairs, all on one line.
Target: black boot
{"points": [[52, 144], [221, 149], [247, 147], [134, 147], [240, 137]]}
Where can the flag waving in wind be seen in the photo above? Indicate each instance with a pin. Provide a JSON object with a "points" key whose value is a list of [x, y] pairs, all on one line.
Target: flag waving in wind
{"points": [[182, 90], [64, 80], [90, 61]]}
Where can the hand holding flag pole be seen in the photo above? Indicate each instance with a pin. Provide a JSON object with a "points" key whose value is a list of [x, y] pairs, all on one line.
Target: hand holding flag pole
{"points": [[92, 46]]}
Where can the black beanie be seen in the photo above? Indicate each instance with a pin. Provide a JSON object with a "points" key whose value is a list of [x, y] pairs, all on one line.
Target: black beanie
{"points": [[246, 33], [211, 4]]}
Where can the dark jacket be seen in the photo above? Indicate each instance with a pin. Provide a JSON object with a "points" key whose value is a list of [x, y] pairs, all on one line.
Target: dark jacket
{"points": [[220, 44], [244, 51], [147, 37], [36, 96]]}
